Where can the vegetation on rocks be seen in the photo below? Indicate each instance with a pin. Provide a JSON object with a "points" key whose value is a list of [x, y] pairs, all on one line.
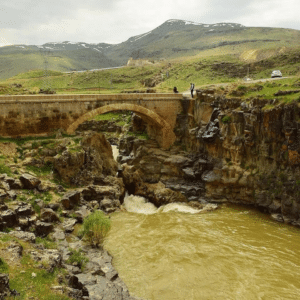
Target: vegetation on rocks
{"points": [[95, 228], [77, 257]]}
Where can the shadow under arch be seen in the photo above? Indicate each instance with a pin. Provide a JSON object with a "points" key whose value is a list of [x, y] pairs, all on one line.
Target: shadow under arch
{"points": [[165, 138]]}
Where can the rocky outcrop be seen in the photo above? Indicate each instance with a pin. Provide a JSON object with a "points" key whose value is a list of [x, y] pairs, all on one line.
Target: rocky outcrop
{"points": [[163, 176], [98, 279], [93, 158], [5, 290], [255, 151], [70, 199], [29, 181]]}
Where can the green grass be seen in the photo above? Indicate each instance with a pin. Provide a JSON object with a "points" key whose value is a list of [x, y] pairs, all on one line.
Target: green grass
{"points": [[78, 257], [198, 69], [37, 287], [6, 238], [39, 171], [3, 266], [24, 140], [109, 116], [45, 196], [47, 242], [5, 169]]}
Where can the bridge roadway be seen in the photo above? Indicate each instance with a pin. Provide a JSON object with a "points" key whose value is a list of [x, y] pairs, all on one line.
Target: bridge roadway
{"points": [[23, 115]]}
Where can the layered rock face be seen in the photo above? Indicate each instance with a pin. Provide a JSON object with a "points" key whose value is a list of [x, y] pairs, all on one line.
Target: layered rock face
{"points": [[162, 176], [256, 152], [93, 159]]}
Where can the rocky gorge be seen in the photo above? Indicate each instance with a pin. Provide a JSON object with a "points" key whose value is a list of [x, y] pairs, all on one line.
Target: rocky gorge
{"points": [[229, 150]]}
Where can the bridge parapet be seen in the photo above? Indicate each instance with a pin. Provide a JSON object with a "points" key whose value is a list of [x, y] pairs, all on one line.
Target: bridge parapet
{"points": [[94, 97]]}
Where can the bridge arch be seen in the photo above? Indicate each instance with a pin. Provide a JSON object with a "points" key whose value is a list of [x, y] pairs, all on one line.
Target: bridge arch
{"points": [[166, 137]]}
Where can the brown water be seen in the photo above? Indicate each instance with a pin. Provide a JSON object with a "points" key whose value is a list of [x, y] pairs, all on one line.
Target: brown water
{"points": [[230, 253]]}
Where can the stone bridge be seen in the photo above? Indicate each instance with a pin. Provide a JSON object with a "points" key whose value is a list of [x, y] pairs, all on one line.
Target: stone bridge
{"points": [[23, 115]]}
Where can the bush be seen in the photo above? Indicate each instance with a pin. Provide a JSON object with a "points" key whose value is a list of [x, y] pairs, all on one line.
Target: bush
{"points": [[77, 257], [242, 88], [95, 228], [226, 119]]}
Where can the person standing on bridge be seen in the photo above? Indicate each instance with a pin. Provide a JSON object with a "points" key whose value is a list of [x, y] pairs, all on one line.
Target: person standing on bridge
{"points": [[192, 89], [175, 90]]}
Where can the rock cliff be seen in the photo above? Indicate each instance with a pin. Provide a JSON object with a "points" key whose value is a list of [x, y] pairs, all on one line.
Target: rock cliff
{"points": [[255, 150]]}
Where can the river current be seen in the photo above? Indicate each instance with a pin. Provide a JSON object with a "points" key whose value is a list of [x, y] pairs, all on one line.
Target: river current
{"points": [[178, 253]]}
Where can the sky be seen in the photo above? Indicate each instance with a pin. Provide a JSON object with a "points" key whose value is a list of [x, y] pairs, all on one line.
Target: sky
{"points": [[35, 22]]}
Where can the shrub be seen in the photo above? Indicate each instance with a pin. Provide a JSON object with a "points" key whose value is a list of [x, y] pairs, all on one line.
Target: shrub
{"points": [[77, 257], [226, 119], [241, 87], [95, 228]]}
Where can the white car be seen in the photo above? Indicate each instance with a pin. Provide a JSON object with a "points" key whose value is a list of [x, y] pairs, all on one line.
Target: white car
{"points": [[276, 73]]}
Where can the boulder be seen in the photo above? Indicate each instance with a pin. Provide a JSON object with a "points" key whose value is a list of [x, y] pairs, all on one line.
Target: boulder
{"points": [[75, 294], [14, 184], [82, 213], [3, 194], [96, 192], [54, 206], [29, 181], [109, 205], [23, 235], [10, 218], [12, 195], [93, 268], [48, 215], [51, 257], [58, 235], [4, 286], [24, 211], [70, 199], [42, 229], [68, 225], [46, 186]]}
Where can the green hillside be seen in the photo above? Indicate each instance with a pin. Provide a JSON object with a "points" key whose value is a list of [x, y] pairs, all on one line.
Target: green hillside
{"points": [[201, 70], [15, 62], [173, 40]]}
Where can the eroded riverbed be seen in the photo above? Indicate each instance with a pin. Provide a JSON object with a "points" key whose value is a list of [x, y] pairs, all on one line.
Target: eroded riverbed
{"points": [[230, 253]]}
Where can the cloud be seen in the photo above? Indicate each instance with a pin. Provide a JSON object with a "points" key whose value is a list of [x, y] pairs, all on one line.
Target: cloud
{"points": [[95, 21]]}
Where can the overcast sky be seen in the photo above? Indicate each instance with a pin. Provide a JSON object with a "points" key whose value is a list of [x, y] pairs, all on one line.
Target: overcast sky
{"points": [[35, 22]]}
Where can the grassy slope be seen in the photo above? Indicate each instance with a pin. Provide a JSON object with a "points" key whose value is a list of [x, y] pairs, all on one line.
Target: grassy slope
{"points": [[202, 69], [26, 60], [171, 45]]}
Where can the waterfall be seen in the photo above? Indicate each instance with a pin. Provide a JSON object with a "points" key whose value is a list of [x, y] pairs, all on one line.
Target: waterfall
{"points": [[140, 205]]}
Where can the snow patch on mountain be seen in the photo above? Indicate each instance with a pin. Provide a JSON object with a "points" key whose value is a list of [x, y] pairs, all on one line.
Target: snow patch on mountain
{"points": [[192, 23]]}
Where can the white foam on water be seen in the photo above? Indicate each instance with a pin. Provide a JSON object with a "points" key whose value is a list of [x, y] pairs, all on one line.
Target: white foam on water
{"points": [[115, 151], [179, 207], [137, 204], [140, 205]]}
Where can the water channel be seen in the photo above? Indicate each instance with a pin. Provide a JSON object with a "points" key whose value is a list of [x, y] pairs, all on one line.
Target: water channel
{"points": [[176, 252]]}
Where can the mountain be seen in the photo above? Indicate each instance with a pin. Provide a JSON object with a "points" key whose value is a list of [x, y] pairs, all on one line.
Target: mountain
{"points": [[172, 39]]}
